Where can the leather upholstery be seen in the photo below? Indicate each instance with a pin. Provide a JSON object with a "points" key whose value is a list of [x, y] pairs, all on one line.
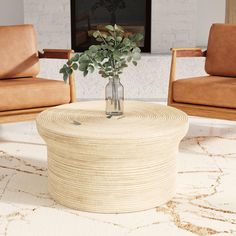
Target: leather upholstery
{"points": [[207, 90], [23, 93], [221, 51], [18, 52]]}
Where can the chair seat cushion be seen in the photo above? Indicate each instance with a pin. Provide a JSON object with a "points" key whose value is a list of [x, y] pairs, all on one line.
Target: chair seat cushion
{"points": [[24, 93], [206, 90]]}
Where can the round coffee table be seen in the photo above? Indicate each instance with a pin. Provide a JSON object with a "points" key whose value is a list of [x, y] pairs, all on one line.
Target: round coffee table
{"points": [[112, 164]]}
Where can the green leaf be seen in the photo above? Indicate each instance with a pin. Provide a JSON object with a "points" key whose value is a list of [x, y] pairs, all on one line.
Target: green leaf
{"points": [[138, 37], [94, 48], [96, 34], [98, 58], [69, 62], [84, 59], [75, 57], [65, 77], [137, 49], [119, 39], [75, 66], [104, 35], [118, 28], [136, 56], [117, 55], [83, 67], [85, 73], [62, 70], [110, 38], [110, 27], [99, 39], [129, 58], [91, 68], [126, 42], [124, 65], [135, 63], [69, 71]]}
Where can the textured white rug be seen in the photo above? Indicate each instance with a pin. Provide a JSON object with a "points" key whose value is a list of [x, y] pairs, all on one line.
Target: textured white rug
{"points": [[205, 202]]}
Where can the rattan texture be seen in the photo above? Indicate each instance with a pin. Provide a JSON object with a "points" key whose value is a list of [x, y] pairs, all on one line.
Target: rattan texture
{"points": [[112, 164]]}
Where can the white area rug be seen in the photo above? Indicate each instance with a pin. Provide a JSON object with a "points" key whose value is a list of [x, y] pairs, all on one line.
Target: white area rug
{"points": [[205, 202]]}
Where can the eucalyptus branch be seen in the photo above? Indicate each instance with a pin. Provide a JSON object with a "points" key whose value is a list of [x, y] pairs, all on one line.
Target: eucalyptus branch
{"points": [[115, 52], [101, 36]]}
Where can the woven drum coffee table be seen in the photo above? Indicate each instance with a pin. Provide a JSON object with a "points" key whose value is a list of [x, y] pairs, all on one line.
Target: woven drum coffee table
{"points": [[112, 164]]}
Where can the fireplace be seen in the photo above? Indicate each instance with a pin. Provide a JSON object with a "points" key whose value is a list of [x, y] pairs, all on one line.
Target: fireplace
{"points": [[89, 16]]}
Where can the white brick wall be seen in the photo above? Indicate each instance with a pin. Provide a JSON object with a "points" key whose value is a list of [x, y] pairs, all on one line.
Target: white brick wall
{"points": [[51, 19], [173, 23]]}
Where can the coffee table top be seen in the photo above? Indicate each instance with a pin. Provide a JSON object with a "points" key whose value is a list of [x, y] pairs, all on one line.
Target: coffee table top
{"points": [[141, 120]]}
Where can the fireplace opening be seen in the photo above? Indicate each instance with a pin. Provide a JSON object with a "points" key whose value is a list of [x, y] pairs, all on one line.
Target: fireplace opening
{"points": [[88, 16]]}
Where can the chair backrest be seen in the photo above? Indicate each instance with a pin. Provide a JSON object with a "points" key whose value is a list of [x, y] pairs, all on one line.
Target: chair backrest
{"points": [[221, 50], [18, 52]]}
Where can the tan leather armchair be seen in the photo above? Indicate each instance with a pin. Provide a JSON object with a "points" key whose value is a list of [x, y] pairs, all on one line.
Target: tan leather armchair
{"points": [[214, 95], [23, 95]]}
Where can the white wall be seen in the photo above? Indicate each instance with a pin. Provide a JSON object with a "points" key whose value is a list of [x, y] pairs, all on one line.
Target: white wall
{"points": [[11, 12], [208, 12], [173, 23], [51, 19]]}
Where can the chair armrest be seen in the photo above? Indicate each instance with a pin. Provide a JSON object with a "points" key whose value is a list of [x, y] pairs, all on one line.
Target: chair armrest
{"points": [[61, 54], [189, 52], [56, 53], [181, 52]]}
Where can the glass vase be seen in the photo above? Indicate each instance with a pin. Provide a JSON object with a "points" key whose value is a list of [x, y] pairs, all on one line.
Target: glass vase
{"points": [[114, 97]]}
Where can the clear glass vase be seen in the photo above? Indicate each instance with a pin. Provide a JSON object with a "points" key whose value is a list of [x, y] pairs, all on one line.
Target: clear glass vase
{"points": [[114, 97]]}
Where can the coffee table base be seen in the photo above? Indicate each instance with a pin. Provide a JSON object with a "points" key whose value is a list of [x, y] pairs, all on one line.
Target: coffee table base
{"points": [[107, 184]]}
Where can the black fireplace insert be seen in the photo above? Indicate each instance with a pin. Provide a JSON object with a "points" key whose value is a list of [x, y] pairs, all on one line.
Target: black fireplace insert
{"points": [[88, 16]]}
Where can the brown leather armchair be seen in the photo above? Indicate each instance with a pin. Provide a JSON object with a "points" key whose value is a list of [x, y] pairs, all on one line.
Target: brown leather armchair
{"points": [[23, 95], [214, 95]]}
